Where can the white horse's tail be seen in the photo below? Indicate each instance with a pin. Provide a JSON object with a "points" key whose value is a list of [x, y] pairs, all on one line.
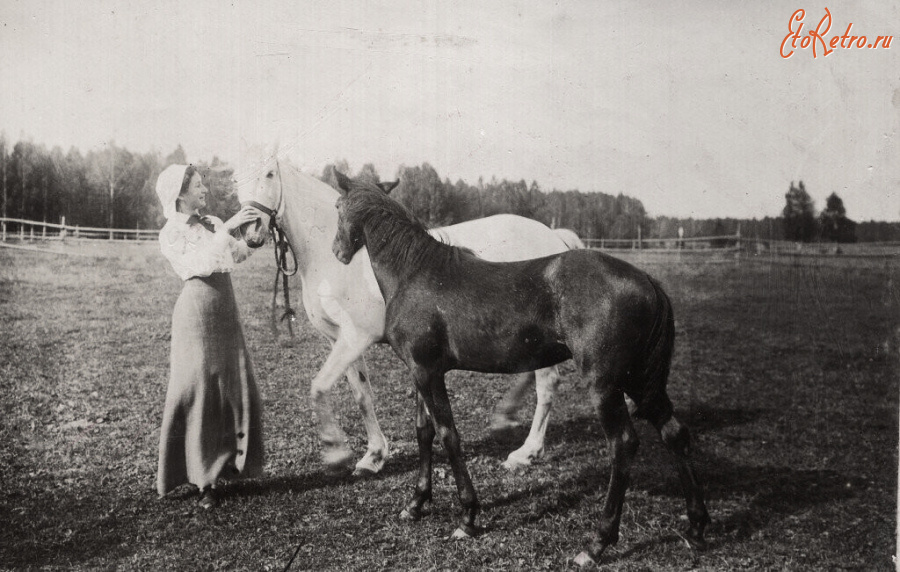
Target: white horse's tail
{"points": [[569, 237]]}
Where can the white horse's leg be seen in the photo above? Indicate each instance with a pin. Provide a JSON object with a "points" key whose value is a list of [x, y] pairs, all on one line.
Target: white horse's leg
{"points": [[546, 382], [336, 453], [512, 401], [377, 452]]}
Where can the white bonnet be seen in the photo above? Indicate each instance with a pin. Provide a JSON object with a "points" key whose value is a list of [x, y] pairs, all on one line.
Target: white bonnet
{"points": [[168, 187]]}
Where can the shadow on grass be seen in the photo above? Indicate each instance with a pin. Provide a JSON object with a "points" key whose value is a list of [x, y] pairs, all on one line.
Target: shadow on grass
{"points": [[82, 526], [774, 492], [399, 463], [705, 419], [586, 428]]}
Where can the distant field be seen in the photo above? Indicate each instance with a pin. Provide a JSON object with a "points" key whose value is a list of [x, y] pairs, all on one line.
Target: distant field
{"points": [[787, 374]]}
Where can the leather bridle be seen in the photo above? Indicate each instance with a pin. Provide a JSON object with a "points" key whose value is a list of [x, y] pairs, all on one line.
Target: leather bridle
{"points": [[282, 248]]}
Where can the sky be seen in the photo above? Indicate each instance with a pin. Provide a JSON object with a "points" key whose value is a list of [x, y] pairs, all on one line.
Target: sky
{"points": [[688, 106]]}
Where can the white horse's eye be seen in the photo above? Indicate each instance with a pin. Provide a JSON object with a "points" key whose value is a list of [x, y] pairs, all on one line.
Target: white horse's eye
{"points": [[270, 174]]}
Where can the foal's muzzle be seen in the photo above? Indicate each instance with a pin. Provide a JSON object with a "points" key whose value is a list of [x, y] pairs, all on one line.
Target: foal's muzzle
{"points": [[339, 253]]}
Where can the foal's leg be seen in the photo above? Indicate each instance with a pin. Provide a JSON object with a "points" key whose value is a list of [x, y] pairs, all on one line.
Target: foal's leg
{"points": [[546, 382], [678, 439], [433, 390], [623, 444], [425, 438], [336, 453], [377, 452]]}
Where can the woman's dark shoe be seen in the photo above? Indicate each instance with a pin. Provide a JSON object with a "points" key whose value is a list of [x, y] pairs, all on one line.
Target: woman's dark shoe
{"points": [[209, 499]]}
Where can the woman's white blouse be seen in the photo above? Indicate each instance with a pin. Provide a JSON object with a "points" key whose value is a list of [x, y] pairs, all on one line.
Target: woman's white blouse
{"points": [[194, 251]]}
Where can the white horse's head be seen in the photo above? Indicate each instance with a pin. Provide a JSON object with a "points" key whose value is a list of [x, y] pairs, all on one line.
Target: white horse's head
{"points": [[259, 184]]}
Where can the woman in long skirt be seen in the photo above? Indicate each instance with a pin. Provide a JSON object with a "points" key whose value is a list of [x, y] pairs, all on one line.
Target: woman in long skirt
{"points": [[212, 421]]}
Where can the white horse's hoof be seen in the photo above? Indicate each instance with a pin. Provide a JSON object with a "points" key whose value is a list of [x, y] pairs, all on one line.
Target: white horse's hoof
{"points": [[337, 459], [522, 459], [404, 515], [371, 464], [460, 534], [362, 470], [583, 559], [514, 465]]}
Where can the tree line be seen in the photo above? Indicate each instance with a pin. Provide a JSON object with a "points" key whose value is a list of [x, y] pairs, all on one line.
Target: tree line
{"points": [[114, 188], [107, 188]]}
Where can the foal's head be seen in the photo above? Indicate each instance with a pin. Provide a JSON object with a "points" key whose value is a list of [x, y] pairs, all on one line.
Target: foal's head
{"points": [[357, 200]]}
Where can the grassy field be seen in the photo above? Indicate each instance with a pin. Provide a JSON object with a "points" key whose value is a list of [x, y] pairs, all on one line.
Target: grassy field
{"points": [[786, 374]]}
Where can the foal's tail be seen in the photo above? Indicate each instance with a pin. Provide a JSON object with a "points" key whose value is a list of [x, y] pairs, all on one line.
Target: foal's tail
{"points": [[655, 360]]}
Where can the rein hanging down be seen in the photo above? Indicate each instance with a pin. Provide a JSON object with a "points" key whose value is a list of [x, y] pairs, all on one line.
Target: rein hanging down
{"points": [[282, 247], [283, 269]]}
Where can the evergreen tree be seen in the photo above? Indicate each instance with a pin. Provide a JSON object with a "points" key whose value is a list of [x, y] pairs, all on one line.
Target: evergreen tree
{"points": [[836, 227], [799, 215]]}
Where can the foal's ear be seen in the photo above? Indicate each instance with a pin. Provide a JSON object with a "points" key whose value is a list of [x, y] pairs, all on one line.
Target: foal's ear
{"points": [[343, 182], [387, 187]]}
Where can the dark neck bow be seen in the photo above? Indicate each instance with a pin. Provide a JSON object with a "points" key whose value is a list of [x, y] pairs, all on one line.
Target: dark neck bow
{"points": [[202, 220]]}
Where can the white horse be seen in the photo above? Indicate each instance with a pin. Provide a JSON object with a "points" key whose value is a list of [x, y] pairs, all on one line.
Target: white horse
{"points": [[345, 304]]}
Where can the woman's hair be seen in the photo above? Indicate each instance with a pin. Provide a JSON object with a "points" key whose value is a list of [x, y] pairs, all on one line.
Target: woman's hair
{"points": [[188, 175], [185, 182]]}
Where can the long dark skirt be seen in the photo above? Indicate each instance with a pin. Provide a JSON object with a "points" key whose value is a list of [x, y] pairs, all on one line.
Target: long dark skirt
{"points": [[212, 422]]}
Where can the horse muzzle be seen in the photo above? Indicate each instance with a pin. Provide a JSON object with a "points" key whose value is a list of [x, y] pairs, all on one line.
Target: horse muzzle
{"points": [[340, 255], [254, 233]]}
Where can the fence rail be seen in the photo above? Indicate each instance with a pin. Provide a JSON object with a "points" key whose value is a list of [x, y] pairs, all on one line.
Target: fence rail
{"points": [[15, 229], [21, 229], [729, 241]]}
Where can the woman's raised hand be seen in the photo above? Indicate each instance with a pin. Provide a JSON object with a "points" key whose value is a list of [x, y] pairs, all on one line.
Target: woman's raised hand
{"points": [[243, 216]]}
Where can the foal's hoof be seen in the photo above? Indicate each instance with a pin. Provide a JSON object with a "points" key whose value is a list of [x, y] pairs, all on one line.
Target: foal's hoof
{"points": [[592, 555], [461, 534], [693, 540], [209, 499], [405, 514]]}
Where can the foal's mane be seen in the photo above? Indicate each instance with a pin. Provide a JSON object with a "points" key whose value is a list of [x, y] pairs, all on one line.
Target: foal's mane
{"points": [[393, 231]]}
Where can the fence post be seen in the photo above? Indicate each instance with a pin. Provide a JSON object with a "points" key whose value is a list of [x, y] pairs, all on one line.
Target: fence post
{"points": [[4, 231], [62, 230]]}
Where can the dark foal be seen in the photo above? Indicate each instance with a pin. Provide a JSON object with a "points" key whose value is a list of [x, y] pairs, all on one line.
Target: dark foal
{"points": [[448, 309]]}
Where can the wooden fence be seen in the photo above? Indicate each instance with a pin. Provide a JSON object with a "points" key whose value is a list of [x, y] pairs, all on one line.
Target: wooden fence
{"points": [[22, 230], [725, 242], [726, 247]]}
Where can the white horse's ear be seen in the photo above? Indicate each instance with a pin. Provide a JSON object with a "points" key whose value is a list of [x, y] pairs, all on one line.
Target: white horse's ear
{"points": [[271, 150], [343, 181], [388, 187]]}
